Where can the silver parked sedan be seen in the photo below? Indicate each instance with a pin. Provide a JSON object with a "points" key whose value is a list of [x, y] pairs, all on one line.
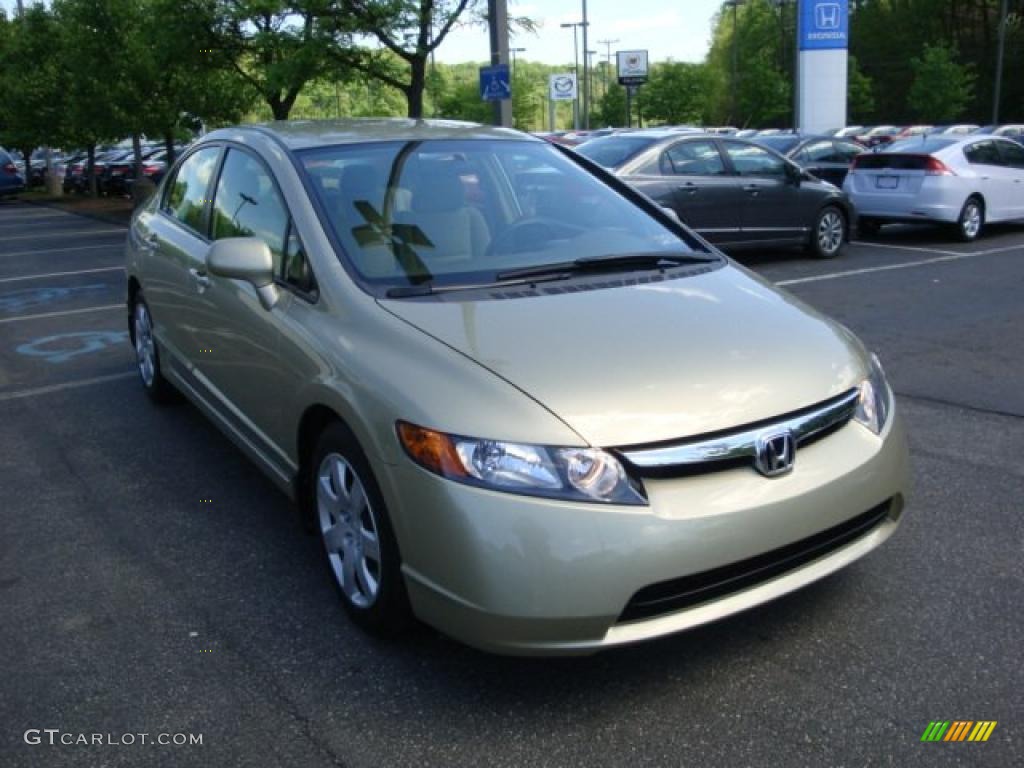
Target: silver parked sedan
{"points": [[966, 182], [514, 397]]}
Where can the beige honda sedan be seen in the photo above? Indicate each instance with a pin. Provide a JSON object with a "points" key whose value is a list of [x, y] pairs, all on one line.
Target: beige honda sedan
{"points": [[516, 399]]}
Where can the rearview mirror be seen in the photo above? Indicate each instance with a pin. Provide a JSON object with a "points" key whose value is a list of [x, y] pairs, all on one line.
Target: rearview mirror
{"points": [[248, 259]]}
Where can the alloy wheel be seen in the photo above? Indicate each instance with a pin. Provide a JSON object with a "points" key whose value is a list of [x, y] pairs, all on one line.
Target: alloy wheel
{"points": [[348, 528], [830, 232], [970, 223]]}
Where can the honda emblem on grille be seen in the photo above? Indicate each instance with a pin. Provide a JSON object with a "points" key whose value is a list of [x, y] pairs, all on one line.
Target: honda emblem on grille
{"points": [[774, 453]]}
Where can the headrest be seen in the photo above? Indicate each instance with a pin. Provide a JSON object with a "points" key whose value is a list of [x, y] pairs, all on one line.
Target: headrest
{"points": [[438, 189]]}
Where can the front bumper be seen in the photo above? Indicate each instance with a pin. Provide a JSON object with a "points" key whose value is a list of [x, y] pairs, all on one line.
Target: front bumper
{"points": [[530, 576]]}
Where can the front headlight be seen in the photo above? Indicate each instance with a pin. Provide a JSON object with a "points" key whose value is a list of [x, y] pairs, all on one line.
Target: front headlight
{"points": [[875, 399], [577, 474]]}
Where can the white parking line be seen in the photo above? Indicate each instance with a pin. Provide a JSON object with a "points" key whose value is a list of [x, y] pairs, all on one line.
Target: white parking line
{"points": [[919, 249], [75, 232], [43, 315], [13, 221], [949, 256], [67, 385], [61, 274], [59, 250]]}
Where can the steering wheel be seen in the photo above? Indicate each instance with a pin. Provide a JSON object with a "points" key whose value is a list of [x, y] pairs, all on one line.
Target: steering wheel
{"points": [[526, 234]]}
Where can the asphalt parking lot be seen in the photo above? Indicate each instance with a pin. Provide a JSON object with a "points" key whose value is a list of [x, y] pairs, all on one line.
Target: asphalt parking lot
{"points": [[129, 604]]}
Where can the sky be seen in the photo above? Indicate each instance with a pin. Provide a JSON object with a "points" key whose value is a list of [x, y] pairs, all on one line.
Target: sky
{"points": [[677, 29]]}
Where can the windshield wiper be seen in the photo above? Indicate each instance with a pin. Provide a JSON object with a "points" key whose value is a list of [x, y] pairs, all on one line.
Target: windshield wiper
{"points": [[428, 288], [618, 263]]}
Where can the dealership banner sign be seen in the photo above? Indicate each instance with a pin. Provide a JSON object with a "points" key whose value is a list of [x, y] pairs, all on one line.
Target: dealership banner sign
{"points": [[631, 67], [824, 24], [823, 40], [562, 87]]}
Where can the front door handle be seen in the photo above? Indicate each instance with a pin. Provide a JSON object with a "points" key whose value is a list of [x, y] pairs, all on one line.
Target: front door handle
{"points": [[151, 240], [202, 281], [753, 189], [690, 188]]}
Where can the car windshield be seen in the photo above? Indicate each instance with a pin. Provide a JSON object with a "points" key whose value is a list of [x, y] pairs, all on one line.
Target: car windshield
{"points": [[923, 145], [779, 143], [613, 151], [457, 213]]}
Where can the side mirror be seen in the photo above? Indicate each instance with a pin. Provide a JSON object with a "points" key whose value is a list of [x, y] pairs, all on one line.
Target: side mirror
{"points": [[794, 173], [248, 259], [671, 213]]}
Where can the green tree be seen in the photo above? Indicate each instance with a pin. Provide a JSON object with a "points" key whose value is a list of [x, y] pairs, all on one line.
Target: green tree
{"points": [[677, 93], [272, 46], [860, 93], [30, 82], [757, 91], [942, 88]]}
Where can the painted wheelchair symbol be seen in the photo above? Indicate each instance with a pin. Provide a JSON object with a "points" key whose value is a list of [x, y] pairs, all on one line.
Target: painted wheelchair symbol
{"points": [[67, 346]]}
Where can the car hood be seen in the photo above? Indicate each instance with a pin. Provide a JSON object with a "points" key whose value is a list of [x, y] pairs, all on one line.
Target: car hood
{"points": [[656, 361]]}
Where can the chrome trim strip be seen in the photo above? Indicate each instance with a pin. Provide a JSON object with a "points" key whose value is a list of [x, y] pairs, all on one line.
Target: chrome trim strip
{"points": [[739, 445]]}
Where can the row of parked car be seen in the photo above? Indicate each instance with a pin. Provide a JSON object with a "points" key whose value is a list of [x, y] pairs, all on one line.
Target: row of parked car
{"points": [[784, 188], [114, 168], [867, 136]]}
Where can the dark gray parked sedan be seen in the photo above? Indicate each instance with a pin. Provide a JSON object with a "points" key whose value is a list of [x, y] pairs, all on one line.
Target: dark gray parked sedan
{"points": [[734, 192]]}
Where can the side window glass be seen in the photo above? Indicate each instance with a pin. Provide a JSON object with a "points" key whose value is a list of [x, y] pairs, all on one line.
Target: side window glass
{"points": [[1013, 154], [247, 204], [821, 152], [846, 152], [696, 158], [187, 195], [982, 153], [297, 272], [750, 160]]}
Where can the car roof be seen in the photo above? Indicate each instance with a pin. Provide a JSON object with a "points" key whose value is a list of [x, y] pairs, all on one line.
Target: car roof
{"points": [[303, 134]]}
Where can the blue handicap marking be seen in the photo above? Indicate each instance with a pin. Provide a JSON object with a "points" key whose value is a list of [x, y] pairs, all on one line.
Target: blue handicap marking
{"points": [[16, 301], [494, 83], [66, 346]]}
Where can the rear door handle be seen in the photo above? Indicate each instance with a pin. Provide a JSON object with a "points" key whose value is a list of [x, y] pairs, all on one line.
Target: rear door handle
{"points": [[690, 188], [202, 281], [753, 189]]}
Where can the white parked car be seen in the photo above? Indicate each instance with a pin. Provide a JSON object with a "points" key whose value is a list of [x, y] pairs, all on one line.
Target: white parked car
{"points": [[966, 181]]}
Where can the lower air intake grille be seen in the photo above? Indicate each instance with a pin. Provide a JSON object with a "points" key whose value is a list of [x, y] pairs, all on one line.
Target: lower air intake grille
{"points": [[685, 592]]}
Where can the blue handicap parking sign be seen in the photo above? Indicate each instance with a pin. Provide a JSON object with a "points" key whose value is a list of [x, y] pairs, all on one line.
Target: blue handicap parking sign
{"points": [[494, 83]]}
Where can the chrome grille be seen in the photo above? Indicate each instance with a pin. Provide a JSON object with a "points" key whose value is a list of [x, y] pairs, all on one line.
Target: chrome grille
{"points": [[726, 449]]}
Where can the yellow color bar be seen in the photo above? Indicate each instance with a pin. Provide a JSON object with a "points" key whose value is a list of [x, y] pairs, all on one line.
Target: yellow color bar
{"points": [[988, 731]]}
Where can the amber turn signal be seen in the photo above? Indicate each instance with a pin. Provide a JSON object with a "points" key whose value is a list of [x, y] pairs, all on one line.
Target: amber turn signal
{"points": [[432, 450]]}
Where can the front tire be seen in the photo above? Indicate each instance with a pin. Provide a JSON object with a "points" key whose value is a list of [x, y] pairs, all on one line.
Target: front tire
{"points": [[971, 221], [359, 543], [829, 233], [147, 356]]}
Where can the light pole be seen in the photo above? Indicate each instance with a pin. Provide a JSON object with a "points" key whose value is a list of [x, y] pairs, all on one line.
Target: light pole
{"points": [[588, 72], [999, 64], [586, 77], [734, 4], [576, 69], [514, 51], [607, 60]]}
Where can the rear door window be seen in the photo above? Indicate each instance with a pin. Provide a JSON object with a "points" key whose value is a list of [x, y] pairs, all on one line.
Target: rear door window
{"points": [[694, 158], [983, 153]]}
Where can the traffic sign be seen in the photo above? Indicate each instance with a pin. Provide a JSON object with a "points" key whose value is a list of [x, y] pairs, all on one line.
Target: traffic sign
{"points": [[495, 84]]}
